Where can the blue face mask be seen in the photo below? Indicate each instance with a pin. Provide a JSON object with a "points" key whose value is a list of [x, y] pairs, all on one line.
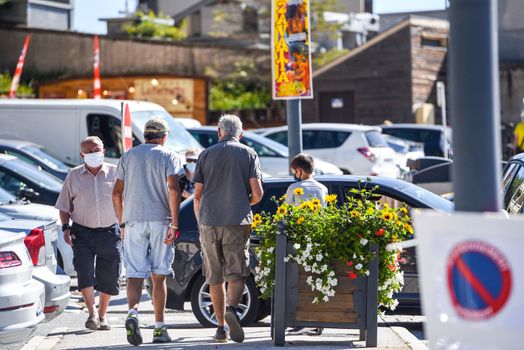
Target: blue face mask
{"points": [[297, 179]]}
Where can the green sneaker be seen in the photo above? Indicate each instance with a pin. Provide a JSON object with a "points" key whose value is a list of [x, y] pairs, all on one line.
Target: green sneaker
{"points": [[133, 330], [160, 335]]}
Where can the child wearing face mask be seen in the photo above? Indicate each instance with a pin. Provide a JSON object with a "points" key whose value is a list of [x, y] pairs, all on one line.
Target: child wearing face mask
{"points": [[186, 186], [302, 168]]}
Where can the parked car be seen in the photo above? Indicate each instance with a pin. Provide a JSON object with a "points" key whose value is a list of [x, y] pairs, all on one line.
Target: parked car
{"points": [[404, 149], [513, 185], [26, 181], [188, 284], [356, 149], [40, 241], [273, 156], [35, 155], [433, 137], [22, 209], [21, 297], [61, 124]]}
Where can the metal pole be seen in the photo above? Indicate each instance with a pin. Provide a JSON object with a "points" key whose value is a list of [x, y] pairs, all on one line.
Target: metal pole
{"points": [[294, 125], [278, 317], [475, 106], [441, 100]]}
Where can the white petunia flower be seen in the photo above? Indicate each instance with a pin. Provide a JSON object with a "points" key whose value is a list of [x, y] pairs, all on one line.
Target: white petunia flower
{"points": [[315, 301], [367, 273], [270, 249], [309, 280], [326, 298], [286, 259], [358, 266], [363, 241], [354, 256], [319, 257], [296, 246]]}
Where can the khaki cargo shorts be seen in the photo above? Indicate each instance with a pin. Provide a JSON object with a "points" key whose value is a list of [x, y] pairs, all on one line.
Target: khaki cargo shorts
{"points": [[225, 252]]}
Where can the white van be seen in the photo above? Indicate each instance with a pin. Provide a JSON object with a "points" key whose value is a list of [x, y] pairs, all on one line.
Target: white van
{"points": [[60, 125]]}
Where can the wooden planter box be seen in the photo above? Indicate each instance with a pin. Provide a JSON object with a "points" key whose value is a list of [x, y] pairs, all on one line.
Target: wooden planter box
{"points": [[354, 305]]}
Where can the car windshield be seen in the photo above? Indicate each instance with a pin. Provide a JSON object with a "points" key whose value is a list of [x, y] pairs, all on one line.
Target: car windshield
{"points": [[45, 158], [178, 139], [429, 198], [375, 139], [6, 197], [33, 174]]}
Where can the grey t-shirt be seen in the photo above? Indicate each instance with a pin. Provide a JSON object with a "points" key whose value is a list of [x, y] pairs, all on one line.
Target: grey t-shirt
{"points": [[225, 170], [144, 170], [311, 187]]}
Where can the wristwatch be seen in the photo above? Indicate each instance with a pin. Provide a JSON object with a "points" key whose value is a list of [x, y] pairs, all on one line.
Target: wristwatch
{"points": [[65, 227], [122, 225]]}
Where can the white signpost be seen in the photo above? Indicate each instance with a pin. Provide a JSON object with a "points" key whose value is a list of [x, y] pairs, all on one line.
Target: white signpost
{"points": [[471, 274]]}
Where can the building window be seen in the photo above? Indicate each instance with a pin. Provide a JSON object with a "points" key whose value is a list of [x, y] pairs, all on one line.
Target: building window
{"points": [[434, 40]]}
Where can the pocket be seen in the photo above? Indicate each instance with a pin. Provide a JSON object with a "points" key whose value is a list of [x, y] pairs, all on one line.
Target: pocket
{"points": [[237, 235]]}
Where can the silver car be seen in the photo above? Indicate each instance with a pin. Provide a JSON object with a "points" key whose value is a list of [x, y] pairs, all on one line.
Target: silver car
{"points": [[40, 241], [21, 297], [20, 209]]}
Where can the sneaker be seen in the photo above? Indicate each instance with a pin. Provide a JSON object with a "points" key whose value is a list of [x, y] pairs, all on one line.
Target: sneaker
{"points": [[92, 322], [236, 332], [160, 335], [103, 324], [133, 330], [220, 335]]}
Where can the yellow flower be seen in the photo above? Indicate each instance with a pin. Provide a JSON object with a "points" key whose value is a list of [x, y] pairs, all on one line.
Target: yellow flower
{"points": [[300, 220], [257, 217], [315, 201], [370, 211], [282, 210], [331, 198], [315, 207], [408, 228], [283, 198], [306, 204], [355, 213], [298, 191], [254, 225], [404, 210], [387, 216]]}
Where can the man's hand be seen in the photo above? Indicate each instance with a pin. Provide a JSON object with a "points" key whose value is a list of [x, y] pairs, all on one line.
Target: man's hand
{"points": [[170, 237], [68, 237], [122, 234]]}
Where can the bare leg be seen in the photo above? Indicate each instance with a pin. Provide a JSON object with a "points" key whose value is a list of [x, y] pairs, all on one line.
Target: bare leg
{"points": [[103, 303], [234, 292], [218, 297], [159, 296], [88, 294], [134, 292]]}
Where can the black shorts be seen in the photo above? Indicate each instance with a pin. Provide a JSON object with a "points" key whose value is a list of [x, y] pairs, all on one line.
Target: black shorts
{"points": [[96, 257]]}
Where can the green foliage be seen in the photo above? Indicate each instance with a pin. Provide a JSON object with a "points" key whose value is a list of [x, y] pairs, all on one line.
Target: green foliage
{"points": [[340, 235], [146, 27], [24, 90], [239, 90], [318, 23], [328, 57], [2, 2]]}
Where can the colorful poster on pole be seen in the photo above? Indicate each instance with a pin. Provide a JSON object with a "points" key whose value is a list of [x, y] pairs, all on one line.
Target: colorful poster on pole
{"points": [[291, 50]]}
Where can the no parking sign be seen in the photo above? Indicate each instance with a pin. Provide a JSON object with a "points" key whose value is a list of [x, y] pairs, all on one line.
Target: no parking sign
{"points": [[472, 279]]}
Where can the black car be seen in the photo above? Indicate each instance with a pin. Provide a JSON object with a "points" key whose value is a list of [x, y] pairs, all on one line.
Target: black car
{"points": [[188, 283], [513, 185], [35, 155], [26, 181]]}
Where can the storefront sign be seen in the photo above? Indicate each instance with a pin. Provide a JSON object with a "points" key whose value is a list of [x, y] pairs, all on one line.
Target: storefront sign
{"points": [[290, 50]]}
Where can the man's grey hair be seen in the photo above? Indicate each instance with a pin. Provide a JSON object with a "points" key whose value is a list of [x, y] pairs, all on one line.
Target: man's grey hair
{"points": [[91, 139], [230, 124]]}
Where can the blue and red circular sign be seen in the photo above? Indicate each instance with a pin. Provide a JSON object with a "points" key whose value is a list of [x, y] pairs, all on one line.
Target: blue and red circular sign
{"points": [[479, 280]]}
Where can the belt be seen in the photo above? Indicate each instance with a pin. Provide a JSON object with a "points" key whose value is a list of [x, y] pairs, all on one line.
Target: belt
{"points": [[95, 228]]}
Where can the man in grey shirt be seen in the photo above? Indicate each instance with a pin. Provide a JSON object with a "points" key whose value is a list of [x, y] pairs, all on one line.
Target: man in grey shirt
{"points": [[227, 182], [146, 198]]}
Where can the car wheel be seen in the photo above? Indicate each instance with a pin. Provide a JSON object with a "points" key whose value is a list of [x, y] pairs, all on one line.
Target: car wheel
{"points": [[203, 307]]}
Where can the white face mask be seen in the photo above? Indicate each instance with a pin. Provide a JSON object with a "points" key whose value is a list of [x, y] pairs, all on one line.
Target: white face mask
{"points": [[94, 160], [191, 167]]}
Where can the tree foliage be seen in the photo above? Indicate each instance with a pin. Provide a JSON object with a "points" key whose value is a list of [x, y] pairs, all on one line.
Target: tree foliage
{"points": [[324, 58], [24, 90], [147, 26]]}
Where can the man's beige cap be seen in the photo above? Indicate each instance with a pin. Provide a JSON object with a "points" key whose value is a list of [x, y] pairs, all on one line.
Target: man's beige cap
{"points": [[156, 126]]}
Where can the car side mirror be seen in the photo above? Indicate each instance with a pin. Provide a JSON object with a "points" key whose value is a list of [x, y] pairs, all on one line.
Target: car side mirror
{"points": [[29, 193]]}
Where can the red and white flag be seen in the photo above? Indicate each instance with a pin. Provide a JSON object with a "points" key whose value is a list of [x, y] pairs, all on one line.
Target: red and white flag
{"points": [[18, 71], [127, 128], [97, 85]]}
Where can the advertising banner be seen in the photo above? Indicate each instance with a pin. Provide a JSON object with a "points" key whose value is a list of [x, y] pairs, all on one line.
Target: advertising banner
{"points": [[470, 268], [291, 50], [127, 128]]}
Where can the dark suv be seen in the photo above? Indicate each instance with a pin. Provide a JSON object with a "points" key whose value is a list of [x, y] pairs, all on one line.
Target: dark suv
{"points": [[188, 283]]}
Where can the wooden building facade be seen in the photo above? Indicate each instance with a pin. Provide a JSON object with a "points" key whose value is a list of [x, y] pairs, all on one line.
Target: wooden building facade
{"points": [[392, 77]]}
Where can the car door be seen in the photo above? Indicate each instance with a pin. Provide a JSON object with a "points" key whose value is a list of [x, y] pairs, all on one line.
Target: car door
{"points": [[513, 185]]}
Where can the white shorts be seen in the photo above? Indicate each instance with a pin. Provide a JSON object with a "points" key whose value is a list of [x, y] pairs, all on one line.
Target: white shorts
{"points": [[145, 251]]}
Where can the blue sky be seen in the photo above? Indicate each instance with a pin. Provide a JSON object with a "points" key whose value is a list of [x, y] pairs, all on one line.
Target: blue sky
{"points": [[87, 12]]}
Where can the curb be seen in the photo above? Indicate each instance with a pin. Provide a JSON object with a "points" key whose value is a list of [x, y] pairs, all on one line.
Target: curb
{"points": [[411, 341], [48, 342]]}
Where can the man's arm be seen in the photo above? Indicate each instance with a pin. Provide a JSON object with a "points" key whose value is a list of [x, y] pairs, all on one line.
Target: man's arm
{"points": [[256, 190], [199, 188], [118, 190], [64, 219], [174, 198]]}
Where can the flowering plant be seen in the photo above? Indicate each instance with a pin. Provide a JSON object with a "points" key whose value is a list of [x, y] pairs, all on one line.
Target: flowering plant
{"points": [[337, 233]]}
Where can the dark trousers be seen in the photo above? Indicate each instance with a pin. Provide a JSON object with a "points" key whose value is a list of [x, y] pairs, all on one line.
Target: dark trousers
{"points": [[96, 257]]}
